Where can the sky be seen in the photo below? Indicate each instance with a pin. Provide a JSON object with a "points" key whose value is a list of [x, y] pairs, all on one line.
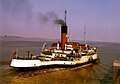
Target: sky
{"points": [[35, 19]]}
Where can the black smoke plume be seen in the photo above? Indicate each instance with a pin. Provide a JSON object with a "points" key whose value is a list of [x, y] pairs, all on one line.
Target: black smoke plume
{"points": [[60, 21], [50, 17], [18, 9]]}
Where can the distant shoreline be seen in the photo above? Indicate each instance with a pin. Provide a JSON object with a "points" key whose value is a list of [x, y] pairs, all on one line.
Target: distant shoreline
{"points": [[18, 38]]}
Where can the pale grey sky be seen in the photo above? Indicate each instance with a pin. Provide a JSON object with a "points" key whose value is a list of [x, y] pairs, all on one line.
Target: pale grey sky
{"points": [[35, 18]]}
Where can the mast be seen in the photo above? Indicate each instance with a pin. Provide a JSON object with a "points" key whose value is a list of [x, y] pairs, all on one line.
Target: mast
{"points": [[85, 34], [65, 17]]}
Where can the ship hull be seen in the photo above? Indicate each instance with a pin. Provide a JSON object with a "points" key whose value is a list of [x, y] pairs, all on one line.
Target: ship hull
{"points": [[22, 63]]}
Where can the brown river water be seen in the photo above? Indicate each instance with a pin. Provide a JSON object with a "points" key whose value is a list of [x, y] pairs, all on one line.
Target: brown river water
{"points": [[87, 74]]}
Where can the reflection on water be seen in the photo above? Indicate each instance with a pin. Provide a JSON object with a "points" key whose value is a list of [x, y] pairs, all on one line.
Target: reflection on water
{"points": [[87, 74]]}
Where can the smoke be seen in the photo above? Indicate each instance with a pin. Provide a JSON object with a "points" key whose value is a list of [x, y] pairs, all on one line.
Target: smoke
{"points": [[22, 10], [50, 17], [60, 21], [16, 9], [46, 18]]}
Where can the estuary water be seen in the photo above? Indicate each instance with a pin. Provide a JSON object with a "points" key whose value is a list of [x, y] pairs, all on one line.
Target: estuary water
{"points": [[87, 74]]}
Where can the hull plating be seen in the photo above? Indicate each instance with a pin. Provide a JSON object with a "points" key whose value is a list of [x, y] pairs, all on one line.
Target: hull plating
{"points": [[17, 63]]}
